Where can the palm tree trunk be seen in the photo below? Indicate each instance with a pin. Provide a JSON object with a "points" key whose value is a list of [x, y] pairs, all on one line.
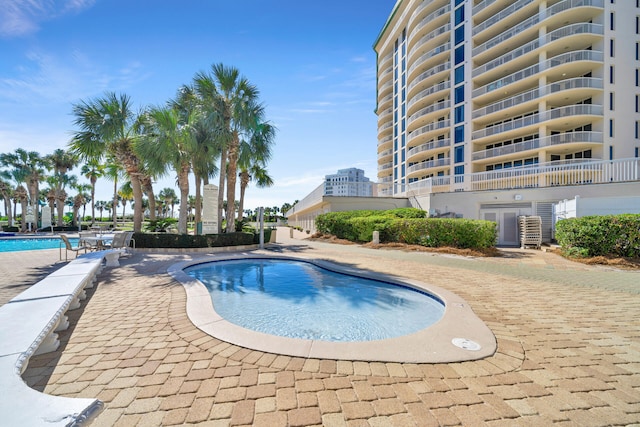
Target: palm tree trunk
{"points": [[183, 183], [232, 170], [114, 204], [137, 199], [93, 199], [198, 213], [223, 169], [244, 182]]}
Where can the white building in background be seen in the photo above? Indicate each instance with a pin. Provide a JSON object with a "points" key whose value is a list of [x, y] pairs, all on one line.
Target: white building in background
{"points": [[348, 183], [492, 109]]}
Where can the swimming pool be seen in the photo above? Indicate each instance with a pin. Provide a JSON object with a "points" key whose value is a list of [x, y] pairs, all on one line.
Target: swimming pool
{"points": [[297, 299], [13, 244], [459, 335]]}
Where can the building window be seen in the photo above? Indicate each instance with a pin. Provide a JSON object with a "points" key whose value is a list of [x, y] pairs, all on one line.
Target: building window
{"points": [[637, 25], [611, 101], [612, 78], [611, 128], [637, 104], [611, 152], [459, 154], [459, 134], [459, 170], [459, 15], [459, 114], [459, 35], [637, 152], [636, 129], [612, 45], [459, 74], [459, 55], [460, 1], [458, 94], [612, 21], [637, 51]]}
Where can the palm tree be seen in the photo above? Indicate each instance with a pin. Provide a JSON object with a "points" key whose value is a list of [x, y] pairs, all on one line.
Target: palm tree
{"points": [[108, 126], [254, 155], [126, 194], [20, 195], [168, 197], [92, 170], [32, 166], [113, 173], [100, 205], [61, 162], [230, 102], [169, 142], [6, 191]]}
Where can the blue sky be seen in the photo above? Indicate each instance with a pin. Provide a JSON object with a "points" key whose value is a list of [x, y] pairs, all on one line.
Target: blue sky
{"points": [[312, 61]]}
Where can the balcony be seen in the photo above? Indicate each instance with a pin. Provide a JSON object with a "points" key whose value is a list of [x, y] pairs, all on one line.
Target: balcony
{"points": [[422, 166], [426, 23], [383, 102], [385, 166], [446, 47], [385, 75], [582, 29], [565, 114], [383, 62], [585, 172], [385, 88], [440, 68], [427, 147], [385, 153], [521, 99], [387, 140], [385, 115], [431, 128], [415, 50], [423, 115], [428, 92], [536, 144], [384, 129], [504, 13], [572, 60]]}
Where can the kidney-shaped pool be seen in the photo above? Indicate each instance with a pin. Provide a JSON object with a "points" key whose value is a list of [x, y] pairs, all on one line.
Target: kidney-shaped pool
{"points": [[311, 308]]}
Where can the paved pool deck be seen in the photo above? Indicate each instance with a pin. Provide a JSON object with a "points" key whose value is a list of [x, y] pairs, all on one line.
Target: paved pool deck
{"points": [[568, 349]]}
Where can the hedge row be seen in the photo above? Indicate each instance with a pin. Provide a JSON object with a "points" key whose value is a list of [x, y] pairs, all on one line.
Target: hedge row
{"points": [[602, 235], [408, 226], [170, 240]]}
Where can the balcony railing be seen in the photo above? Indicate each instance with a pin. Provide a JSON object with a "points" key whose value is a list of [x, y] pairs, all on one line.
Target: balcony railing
{"points": [[432, 35], [430, 72], [545, 14], [429, 91], [566, 111], [430, 109], [432, 145], [427, 19], [576, 83], [550, 174], [429, 164], [482, 5], [556, 61], [384, 166], [569, 30], [385, 140], [436, 51], [500, 16], [537, 143], [440, 124], [385, 153]]}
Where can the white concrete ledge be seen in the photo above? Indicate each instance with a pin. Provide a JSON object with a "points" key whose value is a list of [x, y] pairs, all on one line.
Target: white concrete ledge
{"points": [[28, 326]]}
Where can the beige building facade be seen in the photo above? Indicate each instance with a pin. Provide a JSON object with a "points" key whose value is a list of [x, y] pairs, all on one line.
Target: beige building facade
{"points": [[508, 102]]}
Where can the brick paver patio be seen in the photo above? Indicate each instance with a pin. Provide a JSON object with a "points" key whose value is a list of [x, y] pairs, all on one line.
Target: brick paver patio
{"points": [[568, 351]]}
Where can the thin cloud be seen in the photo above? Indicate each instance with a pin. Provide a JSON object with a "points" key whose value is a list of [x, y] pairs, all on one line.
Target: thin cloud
{"points": [[47, 77], [22, 17]]}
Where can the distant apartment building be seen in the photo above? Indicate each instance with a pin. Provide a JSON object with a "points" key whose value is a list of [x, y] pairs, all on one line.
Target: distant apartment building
{"points": [[348, 183], [514, 103]]}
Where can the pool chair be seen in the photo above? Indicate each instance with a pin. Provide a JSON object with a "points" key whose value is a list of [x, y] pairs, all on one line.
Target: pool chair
{"points": [[123, 240], [89, 240], [69, 247]]}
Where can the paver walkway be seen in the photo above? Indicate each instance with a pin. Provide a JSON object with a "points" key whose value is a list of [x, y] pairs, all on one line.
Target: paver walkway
{"points": [[568, 352]]}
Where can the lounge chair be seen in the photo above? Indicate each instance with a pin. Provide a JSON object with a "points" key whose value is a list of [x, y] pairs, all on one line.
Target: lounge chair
{"points": [[69, 247], [88, 239]]}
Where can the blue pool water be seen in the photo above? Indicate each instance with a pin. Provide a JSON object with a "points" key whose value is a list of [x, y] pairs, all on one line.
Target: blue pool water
{"points": [[17, 244], [300, 300]]}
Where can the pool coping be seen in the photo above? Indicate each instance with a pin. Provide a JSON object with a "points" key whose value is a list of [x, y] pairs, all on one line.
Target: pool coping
{"points": [[434, 344]]}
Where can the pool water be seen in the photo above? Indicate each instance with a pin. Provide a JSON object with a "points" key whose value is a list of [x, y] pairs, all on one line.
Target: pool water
{"points": [[31, 244], [297, 299]]}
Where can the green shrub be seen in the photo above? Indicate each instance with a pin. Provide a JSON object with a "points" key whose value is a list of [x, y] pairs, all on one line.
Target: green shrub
{"points": [[408, 225], [600, 235], [170, 240]]}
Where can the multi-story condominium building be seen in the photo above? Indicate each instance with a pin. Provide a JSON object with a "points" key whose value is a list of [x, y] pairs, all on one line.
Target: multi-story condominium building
{"points": [[348, 183], [515, 103]]}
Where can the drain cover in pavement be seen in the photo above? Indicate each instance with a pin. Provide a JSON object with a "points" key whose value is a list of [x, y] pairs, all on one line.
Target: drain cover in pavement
{"points": [[466, 344]]}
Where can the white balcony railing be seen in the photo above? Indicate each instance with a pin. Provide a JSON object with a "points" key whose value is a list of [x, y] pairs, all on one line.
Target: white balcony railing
{"points": [[500, 16], [550, 174], [556, 61], [432, 145], [429, 164], [566, 111], [537, 143]]}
